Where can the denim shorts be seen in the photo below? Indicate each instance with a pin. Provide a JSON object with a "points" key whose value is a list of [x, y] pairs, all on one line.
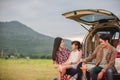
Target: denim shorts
{"points": [[74, 66]]}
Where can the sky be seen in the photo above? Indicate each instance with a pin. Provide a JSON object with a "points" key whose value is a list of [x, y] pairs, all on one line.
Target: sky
{"points": [[45, 16]]}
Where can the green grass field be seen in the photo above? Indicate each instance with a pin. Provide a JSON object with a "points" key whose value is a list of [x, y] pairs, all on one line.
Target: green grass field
{"points": [[22, 69]]}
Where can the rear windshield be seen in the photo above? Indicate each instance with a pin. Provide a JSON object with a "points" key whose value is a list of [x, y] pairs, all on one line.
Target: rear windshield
{"points": [[95, 17]]}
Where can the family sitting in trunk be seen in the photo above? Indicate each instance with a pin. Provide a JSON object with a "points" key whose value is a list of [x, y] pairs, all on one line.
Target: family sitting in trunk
{"points": [[71, 63]]}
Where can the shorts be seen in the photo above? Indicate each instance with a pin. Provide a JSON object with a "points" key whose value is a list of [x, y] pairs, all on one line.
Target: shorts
{"points": [[71, 72], [74, 66]]}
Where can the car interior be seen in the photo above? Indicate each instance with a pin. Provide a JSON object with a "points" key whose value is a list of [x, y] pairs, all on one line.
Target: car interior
{"points": [[93, 40]]}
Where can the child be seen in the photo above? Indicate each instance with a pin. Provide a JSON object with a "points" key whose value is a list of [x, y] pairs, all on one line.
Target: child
{"points": [[81, 73], [74, 58]]}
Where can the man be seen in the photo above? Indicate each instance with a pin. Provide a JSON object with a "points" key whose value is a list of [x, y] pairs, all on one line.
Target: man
{"points": [[105, 55]]}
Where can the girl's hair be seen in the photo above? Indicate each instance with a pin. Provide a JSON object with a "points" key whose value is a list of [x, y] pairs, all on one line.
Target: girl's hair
{"points": [[80, 72], [56, 46], [77, 43]]}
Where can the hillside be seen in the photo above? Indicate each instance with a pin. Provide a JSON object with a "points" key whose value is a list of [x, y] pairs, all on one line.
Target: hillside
{"points": [[17, 38]]}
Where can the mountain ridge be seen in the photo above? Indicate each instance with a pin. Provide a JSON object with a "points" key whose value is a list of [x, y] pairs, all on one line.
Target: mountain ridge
{"points": [[21, 39]]}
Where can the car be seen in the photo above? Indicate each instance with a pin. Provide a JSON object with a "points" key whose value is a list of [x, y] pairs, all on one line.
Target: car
{"points": [[96, 22]]}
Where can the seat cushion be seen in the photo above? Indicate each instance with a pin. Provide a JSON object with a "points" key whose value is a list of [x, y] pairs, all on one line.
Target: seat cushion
{"points": [[118, 55], [117, 64]]}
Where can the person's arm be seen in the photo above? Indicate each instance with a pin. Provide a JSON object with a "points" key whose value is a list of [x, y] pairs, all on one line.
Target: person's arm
{"points": [[78, 59], [111, 61], [90, 58]]}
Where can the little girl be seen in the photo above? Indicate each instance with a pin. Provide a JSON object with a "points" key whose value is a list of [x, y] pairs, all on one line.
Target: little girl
{"points": [[74, 58]]}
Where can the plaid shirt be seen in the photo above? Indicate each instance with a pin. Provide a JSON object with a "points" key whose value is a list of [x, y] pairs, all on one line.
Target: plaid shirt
{"points": [[62, 56]]}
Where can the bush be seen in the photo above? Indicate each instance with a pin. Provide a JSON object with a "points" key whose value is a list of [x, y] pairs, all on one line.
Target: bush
{"points": [[41, 56]]}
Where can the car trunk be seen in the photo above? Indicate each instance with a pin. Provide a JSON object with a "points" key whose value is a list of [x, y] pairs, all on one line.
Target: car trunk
{"points": [[99, 21]]}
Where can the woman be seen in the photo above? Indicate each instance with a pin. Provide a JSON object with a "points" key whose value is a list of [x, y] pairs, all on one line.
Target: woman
{"points": [[59, 55], [81, 73]]}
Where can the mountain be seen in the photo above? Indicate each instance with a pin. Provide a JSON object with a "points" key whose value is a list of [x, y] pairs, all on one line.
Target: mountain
{"points": [[16, 37]]}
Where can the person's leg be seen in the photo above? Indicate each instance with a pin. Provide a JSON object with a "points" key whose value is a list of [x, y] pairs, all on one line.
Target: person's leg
{"points": [[71, 72], [63, 72], [64, 68], [94, 72], [109, 73], [59, 75]]}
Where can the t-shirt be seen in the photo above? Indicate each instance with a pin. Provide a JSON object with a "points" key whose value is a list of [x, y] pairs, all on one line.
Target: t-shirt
{"points": [[73, 56], [104, 61], [62, 56], [84, 78]]}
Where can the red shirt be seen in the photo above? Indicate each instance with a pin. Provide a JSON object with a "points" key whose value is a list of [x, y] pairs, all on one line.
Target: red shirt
{"points": [[62, 56]]}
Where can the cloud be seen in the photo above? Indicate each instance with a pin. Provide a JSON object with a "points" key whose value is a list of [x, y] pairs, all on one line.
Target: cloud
{"points": [[45, 17]]}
